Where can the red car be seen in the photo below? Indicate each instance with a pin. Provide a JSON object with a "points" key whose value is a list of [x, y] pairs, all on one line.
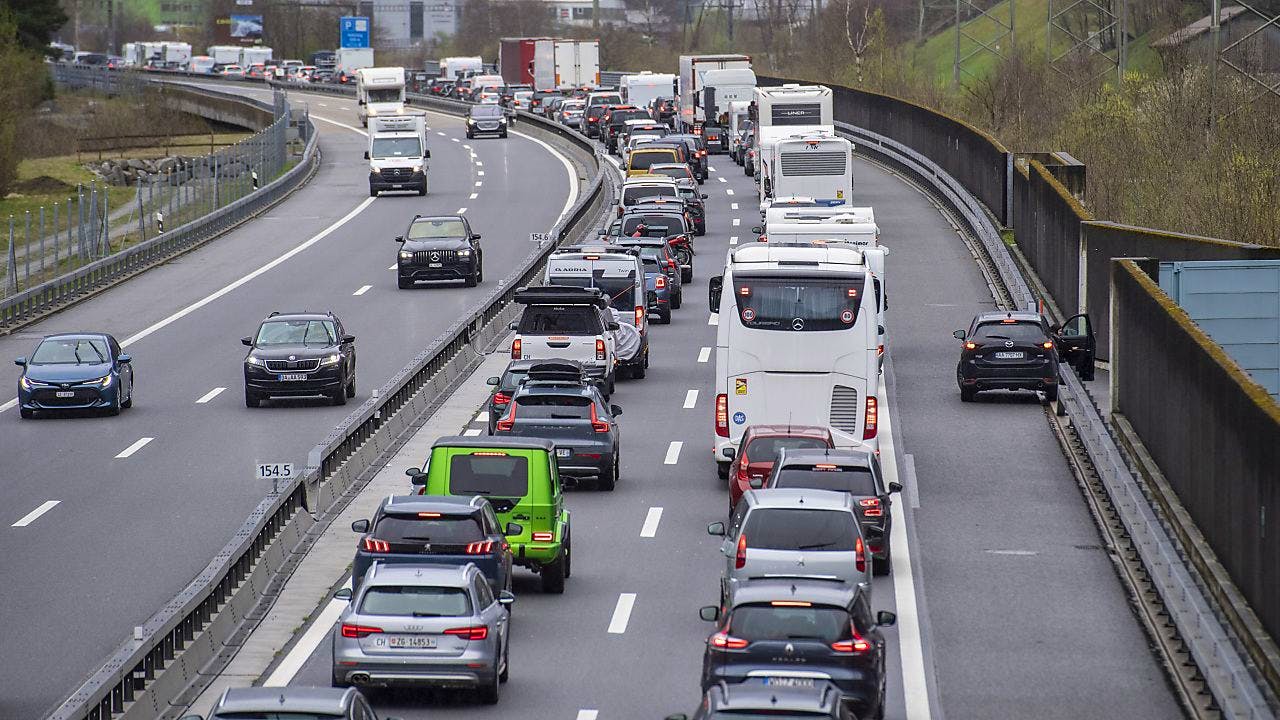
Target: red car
{"points": [[759, 448]]}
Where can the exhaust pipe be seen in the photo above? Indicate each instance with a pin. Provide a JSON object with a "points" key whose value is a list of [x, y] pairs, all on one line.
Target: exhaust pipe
{"points": [[360, 678]]}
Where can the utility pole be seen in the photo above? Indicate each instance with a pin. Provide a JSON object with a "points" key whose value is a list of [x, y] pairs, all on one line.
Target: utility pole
{"points": [[111, 27], [1215, 33], [730, 7]]}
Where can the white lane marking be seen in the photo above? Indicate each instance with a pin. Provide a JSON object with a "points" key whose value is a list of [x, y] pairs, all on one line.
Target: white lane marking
{"points": [[673, 453], [30, 517], [704, 354], [467, 147], [455, 139], [479, 164], [323, 104], [363, 289], [915, 683], [729, 191], [651, 520], [461, 210], [710, 169], [440, 133], [210, 395], [690, 399], [472, 432], [722, 179], [474, 196], [622, 613], [588, 714], [736, 222], [393, 267], [733, 240], [480, 173], [479, 183], [714, 319], [307, 644], [1012, 552], [733, 206], [135, 447]]}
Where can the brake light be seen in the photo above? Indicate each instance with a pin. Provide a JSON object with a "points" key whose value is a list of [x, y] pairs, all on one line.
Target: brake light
{"points": [[639, 316], [880, 350], [725, 641], [516, 347], [428, 514], [742, 475], [504, 425], [599, 349], [872, 418], [740, 560], [703, 153], [475, 632], [661, 282], [501, 398], [853, 645], [358, 631], [598, 425], [480, 547], [375, 545], [722, 415], [790, 603], [971, 346], [1047, 345], [860, 561], [543, 537], [872, 506]]}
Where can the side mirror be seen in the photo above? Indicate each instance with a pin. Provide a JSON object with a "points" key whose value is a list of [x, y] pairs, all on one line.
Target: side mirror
{"points": [[757, 230], [366, 154], [20, 362], [343, 594], [246, 341], [895, 487], [513, 529], [959, 334], [417, 478], [614, 326], [348, 339], [506, 598], [756, 483], [602, 232], [125, 358], [886, 618], [491, 381], [514, 324], [710, 613], [716, 528], [714, 286], [426, 154], [475, 237], [729, 453], [615, 410], [705, 196], [360, 526], [399, 239]]}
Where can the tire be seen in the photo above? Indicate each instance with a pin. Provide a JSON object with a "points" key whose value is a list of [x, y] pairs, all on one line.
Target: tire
{"points": [[339, 396], [422, 190], [489, 693], [746, 170], [404, 284], [568, 553], [1051, 393], [638, 371], [613, 381], [506, 664], [677, 300], [883, 567], [722, 470], [553, 576], [968, 394], [503, 136], [26, 413], [470, 136], [128, 403], [351, 388], [609, 481], [115, 405], [252, 399], [471, 280], [664, 316], [480, 271], [373, 193]]}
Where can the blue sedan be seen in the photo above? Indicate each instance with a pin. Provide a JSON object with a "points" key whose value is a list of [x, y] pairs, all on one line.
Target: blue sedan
{"points": [[75, 371]]}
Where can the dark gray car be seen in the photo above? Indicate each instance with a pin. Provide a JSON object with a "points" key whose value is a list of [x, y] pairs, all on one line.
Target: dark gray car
{"points": [[575, 418]]}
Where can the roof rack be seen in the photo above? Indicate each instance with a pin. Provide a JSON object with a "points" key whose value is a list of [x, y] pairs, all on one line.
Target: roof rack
{"points": [[559, 295]]}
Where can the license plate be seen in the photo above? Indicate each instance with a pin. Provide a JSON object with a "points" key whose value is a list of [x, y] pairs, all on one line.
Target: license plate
{"points": [[65, 393], [397, 186], [409, 641], [435, 264], [789, 682], [293, 376], [564, 452], [1009, 356]]}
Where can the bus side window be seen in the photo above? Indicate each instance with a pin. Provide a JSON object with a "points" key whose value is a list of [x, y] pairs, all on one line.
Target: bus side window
{"points": [[880, 299]]}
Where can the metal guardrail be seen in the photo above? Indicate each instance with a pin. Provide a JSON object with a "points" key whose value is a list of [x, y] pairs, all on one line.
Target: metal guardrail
{"points": [[1226, 673], [150, 676]]}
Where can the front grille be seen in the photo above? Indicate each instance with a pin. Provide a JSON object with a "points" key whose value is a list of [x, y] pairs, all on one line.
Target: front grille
{"points": [[293, 365], [397, 173], [813, 163], [434, 256], [49, 396], [844, 409]]}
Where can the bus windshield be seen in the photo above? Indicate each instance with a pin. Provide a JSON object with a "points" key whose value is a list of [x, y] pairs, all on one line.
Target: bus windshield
{"points": [[798, 303]]}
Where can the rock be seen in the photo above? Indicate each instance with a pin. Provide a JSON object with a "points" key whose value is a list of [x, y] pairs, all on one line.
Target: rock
{"points": [[136, 164]]}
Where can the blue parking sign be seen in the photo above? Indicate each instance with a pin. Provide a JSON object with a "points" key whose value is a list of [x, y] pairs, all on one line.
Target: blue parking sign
{"points": [[353, 32]]}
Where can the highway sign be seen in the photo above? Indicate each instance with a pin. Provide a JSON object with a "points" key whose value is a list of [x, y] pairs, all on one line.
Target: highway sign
{"points": [[275, 472], [353, 32], [540, 237]]}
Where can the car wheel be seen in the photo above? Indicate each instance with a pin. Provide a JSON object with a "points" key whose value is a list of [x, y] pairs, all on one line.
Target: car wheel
{"points": [[404, 284], [480, 271], [489, 693], [568, 554], [677, 300], [664, 316], [128, 402], [610, 480], [968, 394], [339, 396], [722, 470], [251, 399], [612, 383], [506, 664], [639, 370], [1051, 393], [422, 190], [553, 576], [503, 135], [351, 387], [471, 136], [26, 413], [373, 193]]}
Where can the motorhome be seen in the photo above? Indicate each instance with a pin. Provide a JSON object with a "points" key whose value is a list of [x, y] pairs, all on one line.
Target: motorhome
{"points": [[813, 165], [788, 110], [379, 92]]}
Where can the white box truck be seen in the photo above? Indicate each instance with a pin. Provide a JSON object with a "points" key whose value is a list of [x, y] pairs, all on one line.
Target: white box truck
{"points": [[251, 55], [788, 110], [398, 153], [644, 87], [576, 65], [707, 84], [379, 92], [450, 67], [348, 60], [225, 54], [177, 52]]}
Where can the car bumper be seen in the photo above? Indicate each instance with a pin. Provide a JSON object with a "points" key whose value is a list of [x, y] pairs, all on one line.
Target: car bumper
{"points": [[413, 181], [858, 687], [452, 271], [84, 398], [318, 382], [474, 667], [1030, 377], [477, 130], [580, 465], [536, 554]]}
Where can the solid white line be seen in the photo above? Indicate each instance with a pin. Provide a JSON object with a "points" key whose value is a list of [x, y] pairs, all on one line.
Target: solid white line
{"points": [[733, 206], [352, 128], [461, 210], [307, 644], [736, 222], [479, 164], [30, 517], [588, 714], [729, 191], [714, 319], [673, 453], [704, 354], [722, 179], [651, 520], [210, 395], [474, 196], [323, 104], [915, 684], [134, 447], [472, 432], [622, 613], [733, 240], [363, 289], [467, 146], [690, 399]]}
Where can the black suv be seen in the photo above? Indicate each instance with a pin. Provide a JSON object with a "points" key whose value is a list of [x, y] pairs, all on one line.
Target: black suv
{"points": [[1019, 351], [439, 247], [298, 355], [789, 697], [697, 154], [786, 624]]}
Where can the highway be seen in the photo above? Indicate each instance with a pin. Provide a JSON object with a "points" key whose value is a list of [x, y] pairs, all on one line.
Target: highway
{"points": [[105, 519], [1008, 607]]}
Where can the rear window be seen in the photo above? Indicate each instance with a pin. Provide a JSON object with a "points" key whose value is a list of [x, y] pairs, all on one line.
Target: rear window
{"points": [[853, 480], [1020, 331], [560, 320], [620, 117], [766, 448], [635, 193], [674, 224], [798, 303], [415, 601], [794, 529], [450, 529], [768, 622], [644, 158], [553, 407], [499, 475]]}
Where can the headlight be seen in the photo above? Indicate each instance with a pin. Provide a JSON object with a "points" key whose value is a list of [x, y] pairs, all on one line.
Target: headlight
{"points": [[469, 121], [464, 253], [373, 111], [502, 120], [406, 255], [25, 383], [255, 360], [330, 359], [101, 382], [416, 168], [375, 169]]}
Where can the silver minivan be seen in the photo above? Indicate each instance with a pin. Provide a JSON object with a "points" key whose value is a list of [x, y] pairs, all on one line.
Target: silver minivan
{"points": [[792, 533]]}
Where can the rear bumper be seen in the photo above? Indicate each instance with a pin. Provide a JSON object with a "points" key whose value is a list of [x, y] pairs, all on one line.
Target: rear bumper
{"points": [[1034, 377], [353, 665], [858, 687]]}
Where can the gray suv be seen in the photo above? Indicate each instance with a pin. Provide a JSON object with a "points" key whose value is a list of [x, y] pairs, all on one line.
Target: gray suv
{"points": [[424, 626], [793, 533]]}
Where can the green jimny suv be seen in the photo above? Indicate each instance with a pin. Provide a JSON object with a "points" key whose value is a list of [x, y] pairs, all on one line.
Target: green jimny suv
{"points": [[520, 479]]}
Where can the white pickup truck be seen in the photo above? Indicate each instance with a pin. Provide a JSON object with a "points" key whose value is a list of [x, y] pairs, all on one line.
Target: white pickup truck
{"points": [[570, 323]]}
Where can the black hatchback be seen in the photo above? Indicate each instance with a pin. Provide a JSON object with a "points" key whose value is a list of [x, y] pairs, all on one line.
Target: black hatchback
{"points": [[1016, 351], [439, 247], [299, 355]]}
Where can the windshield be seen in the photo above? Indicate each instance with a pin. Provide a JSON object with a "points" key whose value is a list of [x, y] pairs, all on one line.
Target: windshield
{"points": [[73, 351], [769, 622], [396, 147], [794, 529], [489, 473], [618, 287], [382, 95], [429, 229], [415, 601], [798, 304], [1022, 331], [852, 480], [486, 111], [642, 160], [297, 332], [766, 448]]}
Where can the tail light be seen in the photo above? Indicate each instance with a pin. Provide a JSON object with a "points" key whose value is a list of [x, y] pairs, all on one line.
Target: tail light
{"points": [[358, 631], [599, 349], [377, 546], [722, 415], [871, 507], [475, 632], [1047, 345], [480, 547], [639, 316], [543, 537], [703, 153], [872, 419], [501, 398], [504, 425], [880, 350], [855, 644], [598, 425], [516, 347], [971, 346], [725, 641], [661, 282], [860, 556], [740, 560]]}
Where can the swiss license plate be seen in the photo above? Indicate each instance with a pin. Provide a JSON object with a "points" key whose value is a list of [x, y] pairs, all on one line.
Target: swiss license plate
{"points": [[65, 393], [789, 682], [564, 452], [435, 264], [409, 641], [1009, 356], [293, 376]]}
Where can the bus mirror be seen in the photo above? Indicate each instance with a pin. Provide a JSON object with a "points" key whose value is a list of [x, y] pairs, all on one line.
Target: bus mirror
{"points": [[714, 287]]}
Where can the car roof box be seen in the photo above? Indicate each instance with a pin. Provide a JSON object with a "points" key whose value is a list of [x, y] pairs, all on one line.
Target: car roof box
{"points": [[559, 295]]}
